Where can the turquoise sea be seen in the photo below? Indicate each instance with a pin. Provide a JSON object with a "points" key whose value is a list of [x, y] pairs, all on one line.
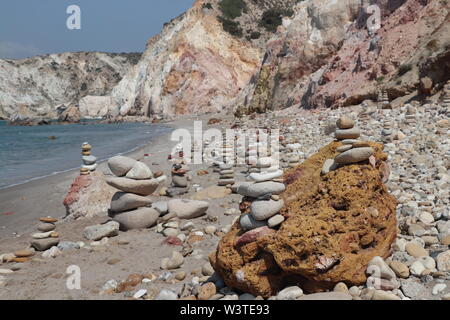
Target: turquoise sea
{"points": [[28, 153]]}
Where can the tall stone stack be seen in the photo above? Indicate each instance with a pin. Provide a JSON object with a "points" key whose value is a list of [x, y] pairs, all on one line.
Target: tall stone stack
{"points": [[89, 161], [180, 183], [383, 100], [130, 207], [47, 237], [386, 133], [352, 150], [410, 116], [446, 99], [226, 172]]}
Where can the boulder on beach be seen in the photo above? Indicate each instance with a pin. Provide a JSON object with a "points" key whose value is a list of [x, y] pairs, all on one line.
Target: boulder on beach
{"points": [[334, 225]]}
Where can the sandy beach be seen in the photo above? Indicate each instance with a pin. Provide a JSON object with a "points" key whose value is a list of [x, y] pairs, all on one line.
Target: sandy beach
{"points": [[21, 205]]}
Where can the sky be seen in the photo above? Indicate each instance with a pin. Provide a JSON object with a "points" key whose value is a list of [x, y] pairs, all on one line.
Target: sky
{"points": [[35, 27]]}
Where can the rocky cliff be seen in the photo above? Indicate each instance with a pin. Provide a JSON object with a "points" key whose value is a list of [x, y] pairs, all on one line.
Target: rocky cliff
{"points": [[326, 56], [199, 62], [44, 86]]}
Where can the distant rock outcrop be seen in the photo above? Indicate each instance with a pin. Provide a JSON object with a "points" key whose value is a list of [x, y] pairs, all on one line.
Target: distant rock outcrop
{"points": [[334, 225], [45, 86], [327, 57]]}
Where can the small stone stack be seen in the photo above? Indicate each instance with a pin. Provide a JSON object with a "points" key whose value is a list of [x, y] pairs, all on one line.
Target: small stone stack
{"points": [[180, 181], [130, 207], [386, 133], [226, 172], [410, 116], [261, 203], [352, 149], [446, 99], [46, 238], [383, 100], [89, 161]]}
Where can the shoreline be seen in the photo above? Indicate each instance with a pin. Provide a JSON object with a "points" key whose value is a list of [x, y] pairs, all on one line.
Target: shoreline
{"points": [[22, 204]]}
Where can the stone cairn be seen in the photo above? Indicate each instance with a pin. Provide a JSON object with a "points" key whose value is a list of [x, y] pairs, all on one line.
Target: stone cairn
{"points": [[89, 161], [446, 99], [130, 207], [46, 238], [261, 204], [410, 116], [352, 150], [383, 100]]}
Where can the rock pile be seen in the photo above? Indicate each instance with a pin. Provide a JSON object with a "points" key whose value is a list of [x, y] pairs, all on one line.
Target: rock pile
{"points": [[410, 116], [383, 100], [89, 161], [352, 150], [130, 207], [47, 237], [446, 98], [226, 172]]}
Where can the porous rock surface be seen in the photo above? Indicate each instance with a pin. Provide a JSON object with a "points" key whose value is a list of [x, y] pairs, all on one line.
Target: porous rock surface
{"points": [[334, 226]]}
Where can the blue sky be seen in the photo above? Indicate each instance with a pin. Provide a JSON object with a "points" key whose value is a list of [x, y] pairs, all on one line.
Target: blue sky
{"points": [[33, 27]]}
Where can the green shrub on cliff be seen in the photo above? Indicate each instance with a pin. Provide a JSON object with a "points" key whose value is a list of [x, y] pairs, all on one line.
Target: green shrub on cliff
{"points": [[273, 18], [232, 9]]}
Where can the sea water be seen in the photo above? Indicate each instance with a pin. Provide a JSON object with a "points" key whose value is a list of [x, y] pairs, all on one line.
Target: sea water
{"points": [[28, 153]]}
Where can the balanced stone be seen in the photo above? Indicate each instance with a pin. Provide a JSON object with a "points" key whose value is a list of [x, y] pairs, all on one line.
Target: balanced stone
{"points": [[179, 181], [187, 209], [354, 155], [46, 227], [122, 201], [342, 134], [345, 122], [260, 177], [141, 218], [44, 244], [140, 187], [328, 166], [344, 148], [120, 165], [260, 189], [275, 221], [247, 222], [161, 207], [140, 171], [89, 160], [263, 210]]}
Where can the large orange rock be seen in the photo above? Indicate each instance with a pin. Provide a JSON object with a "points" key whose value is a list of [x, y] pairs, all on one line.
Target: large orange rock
{"points": [[335, 224]]}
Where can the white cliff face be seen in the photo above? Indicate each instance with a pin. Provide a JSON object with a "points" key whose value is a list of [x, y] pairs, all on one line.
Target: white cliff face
{"points": [[38, 86], [193, 66]]}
